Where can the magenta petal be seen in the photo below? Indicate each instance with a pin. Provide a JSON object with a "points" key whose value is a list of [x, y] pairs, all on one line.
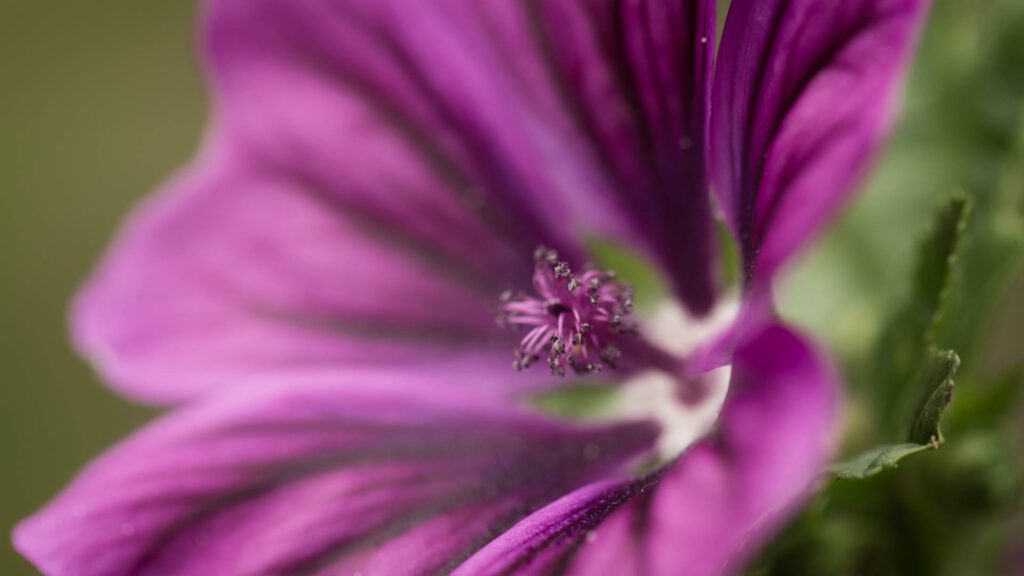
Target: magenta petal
{"points": [[234, 271], [709, 510], [380, 171], [539, 122], [804, 92], [359, 476]]}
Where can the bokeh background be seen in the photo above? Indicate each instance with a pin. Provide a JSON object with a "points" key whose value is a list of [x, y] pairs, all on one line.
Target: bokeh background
{"points": [[101, 101]]}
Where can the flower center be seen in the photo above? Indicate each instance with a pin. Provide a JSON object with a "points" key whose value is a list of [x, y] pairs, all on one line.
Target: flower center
{"points": [[575, 320]]}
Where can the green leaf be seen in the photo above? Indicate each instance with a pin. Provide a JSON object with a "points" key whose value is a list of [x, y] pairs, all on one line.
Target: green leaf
{"points": [[925, 432], [939, 376], [913, 379], [939, 253], [874, 461], [906, 349]]}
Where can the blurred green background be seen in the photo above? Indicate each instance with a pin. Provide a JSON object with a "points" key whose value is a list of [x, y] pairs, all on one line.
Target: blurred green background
{"points": [[101, 101]]}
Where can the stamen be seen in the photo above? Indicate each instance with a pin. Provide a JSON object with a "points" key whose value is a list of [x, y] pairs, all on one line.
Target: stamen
{"points": [[577, 328]]}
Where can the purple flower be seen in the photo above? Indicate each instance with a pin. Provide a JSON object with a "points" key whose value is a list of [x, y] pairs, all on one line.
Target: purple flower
{"points": [[321, 286]]}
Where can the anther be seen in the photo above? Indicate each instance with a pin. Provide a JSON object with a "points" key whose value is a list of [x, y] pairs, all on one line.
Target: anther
{"points": [[545, 255], [558, 347], [576, 328]]}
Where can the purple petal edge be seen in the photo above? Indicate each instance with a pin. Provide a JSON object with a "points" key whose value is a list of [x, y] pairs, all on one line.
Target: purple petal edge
{"points": [[711, 509], [366, 475], [805, 92]]}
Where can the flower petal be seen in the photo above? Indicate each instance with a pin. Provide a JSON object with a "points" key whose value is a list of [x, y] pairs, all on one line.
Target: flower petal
{"points": [[804, 92], [544, 120], [360, 476], [705, 513], [234, 271]]}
